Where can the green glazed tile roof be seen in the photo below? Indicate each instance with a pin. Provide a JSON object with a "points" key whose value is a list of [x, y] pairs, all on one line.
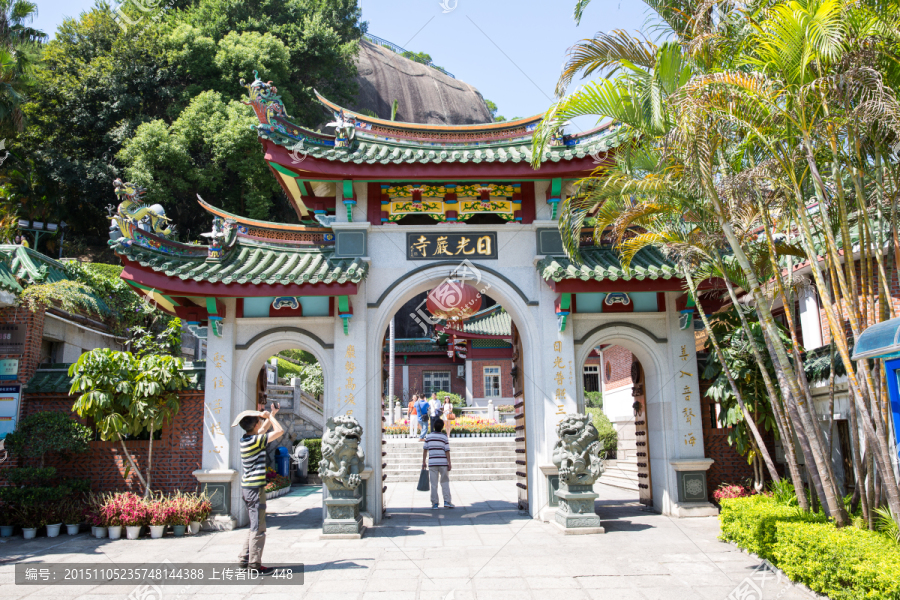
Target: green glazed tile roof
{"points": [[250, 262], [54, 378], [29, 266], [378, 152], [8, 281], [491, 321], [601, 263]]}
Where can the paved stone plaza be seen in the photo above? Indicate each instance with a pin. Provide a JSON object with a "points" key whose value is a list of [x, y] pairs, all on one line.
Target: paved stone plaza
{"points": [[482, 549]]}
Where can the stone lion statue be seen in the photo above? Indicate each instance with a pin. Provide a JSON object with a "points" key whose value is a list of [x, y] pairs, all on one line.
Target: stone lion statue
{"points": [[342, 458], [577, 454]]}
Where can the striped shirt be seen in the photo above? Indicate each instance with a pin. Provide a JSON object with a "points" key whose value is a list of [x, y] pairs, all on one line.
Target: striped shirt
{"points": [[253, 460], [438, 446]]}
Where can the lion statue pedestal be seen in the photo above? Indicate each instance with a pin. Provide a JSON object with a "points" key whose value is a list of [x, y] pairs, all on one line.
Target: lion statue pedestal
{"points": [[342, 462], [577, 455]]}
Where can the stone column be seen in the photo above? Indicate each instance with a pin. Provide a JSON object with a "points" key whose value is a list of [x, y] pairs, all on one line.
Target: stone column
{"points": [[687, 463], [810, 321], [220, 463], [470, 395], [356, 392]]}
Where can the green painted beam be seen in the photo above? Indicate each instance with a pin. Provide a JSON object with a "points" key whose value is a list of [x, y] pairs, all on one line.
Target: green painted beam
{"points": [[211, 306]]}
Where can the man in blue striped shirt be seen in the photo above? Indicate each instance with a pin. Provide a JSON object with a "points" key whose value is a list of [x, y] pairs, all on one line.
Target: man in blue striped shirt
{"points": [[253, 482], [437, 452]]}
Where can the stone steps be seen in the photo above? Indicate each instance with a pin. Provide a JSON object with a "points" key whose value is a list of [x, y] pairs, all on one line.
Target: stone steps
{"points": [[473, 459]]}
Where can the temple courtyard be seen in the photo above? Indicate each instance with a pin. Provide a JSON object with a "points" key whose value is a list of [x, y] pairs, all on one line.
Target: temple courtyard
{"points": [[484, 549]]}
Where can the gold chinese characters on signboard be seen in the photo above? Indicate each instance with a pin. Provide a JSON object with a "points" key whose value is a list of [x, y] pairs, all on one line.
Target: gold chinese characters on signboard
{"points": [[435, 246]]}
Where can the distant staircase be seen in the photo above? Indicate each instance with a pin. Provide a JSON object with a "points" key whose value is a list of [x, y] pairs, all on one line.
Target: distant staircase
{"points": [[622, 472], [294, 401], [473, 459]]}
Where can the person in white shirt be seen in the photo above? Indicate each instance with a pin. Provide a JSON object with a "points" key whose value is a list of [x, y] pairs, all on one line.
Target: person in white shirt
{"points": [[434, 408], [436, 455]]}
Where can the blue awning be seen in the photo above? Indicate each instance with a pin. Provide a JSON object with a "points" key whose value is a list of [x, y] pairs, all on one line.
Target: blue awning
{"points": [[881, 340]]}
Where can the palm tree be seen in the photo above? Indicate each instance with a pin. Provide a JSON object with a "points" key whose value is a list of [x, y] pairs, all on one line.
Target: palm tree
{"points": [[16, 40]]}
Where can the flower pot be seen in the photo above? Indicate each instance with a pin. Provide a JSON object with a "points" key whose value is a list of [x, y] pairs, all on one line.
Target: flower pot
{"points": [[29, 532], [157, 531], [133, 532], [6, 530], [53, 530], [73, 529], [195, 527], [99, 532], [178, 530], [115, 532]]}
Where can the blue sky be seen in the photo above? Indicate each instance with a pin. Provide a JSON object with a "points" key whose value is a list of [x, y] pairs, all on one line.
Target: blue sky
{"points": [[511, 50]]}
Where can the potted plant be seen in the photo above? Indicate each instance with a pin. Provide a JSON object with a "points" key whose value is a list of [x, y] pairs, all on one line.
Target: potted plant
{"points": [[53, 517], [94, 515], [111, 512], [133, 514], [9, 519], [72, 514], [181, 511], [159, 513], [200, 512], [31, 516]]}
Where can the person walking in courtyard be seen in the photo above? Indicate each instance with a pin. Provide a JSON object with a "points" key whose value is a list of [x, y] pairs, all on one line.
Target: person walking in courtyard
{"points": [[422, 409], [449, 417], [436, 453], [434, 408], [253, 482], [411, 415]]}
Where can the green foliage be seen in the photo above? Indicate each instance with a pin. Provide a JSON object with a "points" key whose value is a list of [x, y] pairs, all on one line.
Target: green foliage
{"points": [[783, 492], [751, 522], [315, 453], [593, 399], [31, 475], [842, 564], [420, 57], [166, 342], [887, 524], [735, 346], [159, 105], [609, 437], [455, 399], [44, 432], [312, 379], [69, 295], [124, 395]]}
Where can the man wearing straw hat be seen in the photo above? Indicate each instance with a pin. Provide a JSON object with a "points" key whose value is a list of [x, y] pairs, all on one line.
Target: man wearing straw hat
{"points": [[253, 480]]}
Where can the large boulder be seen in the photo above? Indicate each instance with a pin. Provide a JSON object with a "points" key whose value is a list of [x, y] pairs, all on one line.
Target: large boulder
{"points": [[425, 94]]}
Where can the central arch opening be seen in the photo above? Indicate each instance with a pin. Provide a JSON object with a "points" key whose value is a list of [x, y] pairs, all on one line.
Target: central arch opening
{"points": [[471, 375]]}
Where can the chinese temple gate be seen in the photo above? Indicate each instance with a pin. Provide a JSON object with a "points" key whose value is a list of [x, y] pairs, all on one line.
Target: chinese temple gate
{"points": [[389, 210]]}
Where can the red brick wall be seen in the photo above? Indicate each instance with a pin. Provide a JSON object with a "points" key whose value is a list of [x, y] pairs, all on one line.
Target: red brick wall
{"points": [[895, 301], [175, 456], [619, 360], [728, 465], [34, 323], [506, 384], [416, 378]]}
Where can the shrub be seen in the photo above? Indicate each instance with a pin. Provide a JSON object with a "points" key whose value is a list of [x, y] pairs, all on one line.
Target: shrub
{"points": [[732, 490], [750, 522], [609, 437], [315, 453], [49, 431], [593, 400], [397, 429], [844, 564], [455, 399]]}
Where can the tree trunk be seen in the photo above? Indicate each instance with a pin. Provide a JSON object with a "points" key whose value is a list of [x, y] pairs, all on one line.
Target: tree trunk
{"points": [[134, 467], [149, 463]]}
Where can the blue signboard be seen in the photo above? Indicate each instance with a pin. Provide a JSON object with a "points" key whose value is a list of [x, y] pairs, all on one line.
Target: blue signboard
{"points": [[9, 408]]}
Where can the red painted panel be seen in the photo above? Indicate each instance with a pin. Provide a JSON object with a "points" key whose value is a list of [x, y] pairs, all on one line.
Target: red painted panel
{"points": [[373, 203], [529, 210]]}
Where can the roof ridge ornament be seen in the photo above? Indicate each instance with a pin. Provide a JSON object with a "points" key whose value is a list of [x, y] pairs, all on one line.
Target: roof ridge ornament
{"points": [[344, 129], [266, 102], [132, 214]]}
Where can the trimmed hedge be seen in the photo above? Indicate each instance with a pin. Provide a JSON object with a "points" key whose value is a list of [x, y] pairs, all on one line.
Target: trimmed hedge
{"points": [[844, 564], [315, 453], [750, 522]]}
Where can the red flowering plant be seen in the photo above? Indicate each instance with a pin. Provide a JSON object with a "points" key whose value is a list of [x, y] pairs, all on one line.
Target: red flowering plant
{"points": [[126, 509], [182, 507], [93, 512], [731, 491]]}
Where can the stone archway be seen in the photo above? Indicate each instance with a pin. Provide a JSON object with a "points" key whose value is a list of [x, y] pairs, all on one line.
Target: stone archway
{"points": [[650, 352], [514, 301]]}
